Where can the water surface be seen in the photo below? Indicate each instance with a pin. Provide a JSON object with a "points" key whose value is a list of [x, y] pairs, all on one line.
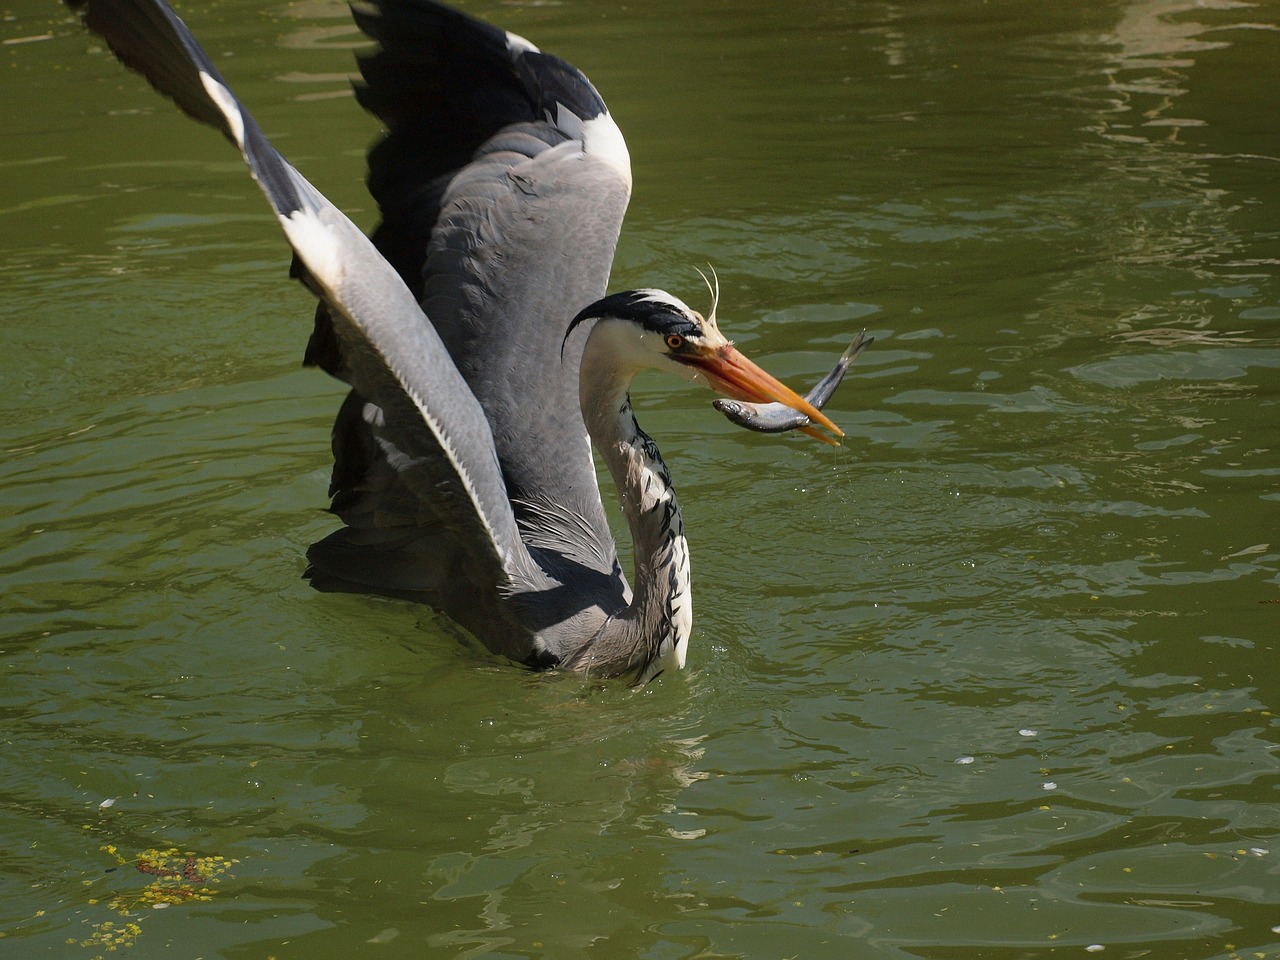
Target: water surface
{"points": [[995, 679]]}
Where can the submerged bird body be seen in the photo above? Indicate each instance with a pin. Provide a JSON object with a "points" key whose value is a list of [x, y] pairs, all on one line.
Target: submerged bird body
{"points": [[483, 356]]}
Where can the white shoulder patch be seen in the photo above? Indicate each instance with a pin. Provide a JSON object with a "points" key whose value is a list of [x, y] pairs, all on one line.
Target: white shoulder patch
{"points": [[317, 243], [226, 103], [602, 138], [518, 44]]}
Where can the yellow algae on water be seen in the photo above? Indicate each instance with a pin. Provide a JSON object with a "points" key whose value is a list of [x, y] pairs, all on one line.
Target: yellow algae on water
{"points": [[175, 877]]}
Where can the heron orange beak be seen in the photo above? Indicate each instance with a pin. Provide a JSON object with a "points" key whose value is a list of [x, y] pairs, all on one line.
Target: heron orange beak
{"points": [[732, 374]]}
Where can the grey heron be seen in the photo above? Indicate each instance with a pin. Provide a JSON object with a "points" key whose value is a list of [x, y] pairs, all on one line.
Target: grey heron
{"points": [[473, 328]]}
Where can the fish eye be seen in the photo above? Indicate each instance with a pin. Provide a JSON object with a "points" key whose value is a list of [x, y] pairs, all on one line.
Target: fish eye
{"points": [[674, 341]]}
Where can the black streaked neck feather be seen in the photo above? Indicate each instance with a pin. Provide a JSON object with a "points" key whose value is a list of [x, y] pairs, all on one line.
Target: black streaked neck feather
{"points": [[653, 632]]}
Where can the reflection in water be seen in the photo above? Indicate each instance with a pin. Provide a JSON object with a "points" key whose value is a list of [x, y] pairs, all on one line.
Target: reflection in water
{"points": [[1158, 42], [507, 803], [1162, 207]]}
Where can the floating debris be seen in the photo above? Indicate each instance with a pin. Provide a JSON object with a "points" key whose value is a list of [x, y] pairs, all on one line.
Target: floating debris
{"points": [[176, 878]]}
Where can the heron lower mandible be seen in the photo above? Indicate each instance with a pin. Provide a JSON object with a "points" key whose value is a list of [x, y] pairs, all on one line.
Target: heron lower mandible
{"points": [[483, 356]]}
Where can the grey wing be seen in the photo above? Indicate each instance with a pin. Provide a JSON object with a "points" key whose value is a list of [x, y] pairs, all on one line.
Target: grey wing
{"points": [[525, 239], [420, 412], [502, 183], [778, 417]]}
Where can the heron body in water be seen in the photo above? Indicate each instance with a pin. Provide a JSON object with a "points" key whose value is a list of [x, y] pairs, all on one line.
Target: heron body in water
{"points": [[473, 328]]}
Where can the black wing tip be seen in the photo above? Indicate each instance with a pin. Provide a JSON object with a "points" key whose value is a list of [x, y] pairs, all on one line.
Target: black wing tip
{"points": [[402, 23], [463, 44], [151, 40], [555, 81]]}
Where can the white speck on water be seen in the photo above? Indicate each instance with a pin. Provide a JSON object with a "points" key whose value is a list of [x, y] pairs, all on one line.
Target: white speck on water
{"points": [[1026, 732], [964, 759], [1259, 851], [105, 804], [1094, 948], [1050, 785], [160, 906]]}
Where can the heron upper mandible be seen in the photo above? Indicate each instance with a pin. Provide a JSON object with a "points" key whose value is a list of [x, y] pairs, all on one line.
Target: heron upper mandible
{"points": [[483, 356]]}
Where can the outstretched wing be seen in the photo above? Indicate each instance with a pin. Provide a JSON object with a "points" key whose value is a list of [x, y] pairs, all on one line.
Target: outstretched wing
{"points": [[419, 411], [502, 182]]}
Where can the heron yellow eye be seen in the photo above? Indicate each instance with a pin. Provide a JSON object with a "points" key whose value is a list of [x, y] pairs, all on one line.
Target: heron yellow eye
{"points": [[674, 341]]}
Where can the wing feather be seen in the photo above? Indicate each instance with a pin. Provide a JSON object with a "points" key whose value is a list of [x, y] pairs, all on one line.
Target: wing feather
{"points": [[502, 183], [428, 424]]}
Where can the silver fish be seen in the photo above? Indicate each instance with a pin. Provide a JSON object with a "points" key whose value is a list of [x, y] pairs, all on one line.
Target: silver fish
{"points": [[777, 417]]}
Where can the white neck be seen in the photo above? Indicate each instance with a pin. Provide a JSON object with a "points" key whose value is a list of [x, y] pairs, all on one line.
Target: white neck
{"points": [[652, 634]]}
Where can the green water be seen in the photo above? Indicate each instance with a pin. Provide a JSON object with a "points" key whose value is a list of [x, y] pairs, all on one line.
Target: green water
{"points": [[997, 679]]}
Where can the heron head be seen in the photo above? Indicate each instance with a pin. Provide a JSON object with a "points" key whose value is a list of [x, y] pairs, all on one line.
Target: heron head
{"points": [[651, 329]]}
